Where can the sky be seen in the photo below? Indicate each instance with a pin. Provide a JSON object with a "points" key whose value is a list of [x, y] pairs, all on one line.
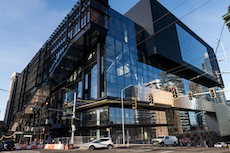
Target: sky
{"points": [[25, 25]]}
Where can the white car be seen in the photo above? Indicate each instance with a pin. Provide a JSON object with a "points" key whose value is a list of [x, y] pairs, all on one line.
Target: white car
{"points": [[165, 140], [100, 143], [220, 145]]}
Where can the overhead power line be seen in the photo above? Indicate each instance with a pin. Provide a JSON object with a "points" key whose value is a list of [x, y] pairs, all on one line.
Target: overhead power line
{"points": [[4, 90]]}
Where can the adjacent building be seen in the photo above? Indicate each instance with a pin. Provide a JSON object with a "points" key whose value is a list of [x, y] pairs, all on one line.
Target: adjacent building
{"points": [[226, 18], [100, 54], [10, 98]]}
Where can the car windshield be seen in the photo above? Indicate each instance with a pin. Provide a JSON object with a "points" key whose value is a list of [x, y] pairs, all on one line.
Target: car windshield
{"points": [[161, 137]]}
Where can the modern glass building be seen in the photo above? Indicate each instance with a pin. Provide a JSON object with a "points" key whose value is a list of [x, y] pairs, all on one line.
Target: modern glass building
{"points": [[107, 58]]}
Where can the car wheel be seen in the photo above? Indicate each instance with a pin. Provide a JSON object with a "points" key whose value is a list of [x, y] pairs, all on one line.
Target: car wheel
{"points": [[174, 144], [91, 147], [163, 144], [110, 147]]}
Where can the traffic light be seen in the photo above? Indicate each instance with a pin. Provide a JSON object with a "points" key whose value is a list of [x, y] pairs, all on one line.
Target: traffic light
{"points": [[134, 103], [212, 93], [151, 101], [190, 95], [46, 105], [65, 107], [174, 92]]}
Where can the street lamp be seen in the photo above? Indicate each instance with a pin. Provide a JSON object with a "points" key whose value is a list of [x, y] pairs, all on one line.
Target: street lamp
{"points": [[199, 126], [122, 109]]}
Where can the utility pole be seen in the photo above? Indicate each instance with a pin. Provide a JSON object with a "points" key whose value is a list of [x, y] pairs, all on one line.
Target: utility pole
{"points": [[73, 118]]}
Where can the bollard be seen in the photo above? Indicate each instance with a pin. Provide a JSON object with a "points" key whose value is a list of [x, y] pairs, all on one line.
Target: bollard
{"points": [[116, 143]]}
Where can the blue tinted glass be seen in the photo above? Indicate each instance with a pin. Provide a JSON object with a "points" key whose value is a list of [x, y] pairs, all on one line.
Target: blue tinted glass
{"points": [[111, 87], [94, 71], [112, 94], [128, 81], [121, 80], [193, 51], [111, 78], [192, 118], [110, 66]]}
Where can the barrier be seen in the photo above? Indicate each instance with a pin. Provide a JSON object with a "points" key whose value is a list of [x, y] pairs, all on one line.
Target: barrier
{"points": [[59, 146], [54, 146], [40, 146], [46, 146], [49, 146], [29, 147]]}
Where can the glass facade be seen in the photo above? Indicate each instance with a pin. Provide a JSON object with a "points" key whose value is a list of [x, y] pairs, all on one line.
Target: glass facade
{"points": [[191, 46], [122, 65], [131, 116], [140, 124]]}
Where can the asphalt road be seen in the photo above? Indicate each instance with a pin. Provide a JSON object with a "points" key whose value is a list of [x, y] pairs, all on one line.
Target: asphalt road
{"points": [[132, 150]]}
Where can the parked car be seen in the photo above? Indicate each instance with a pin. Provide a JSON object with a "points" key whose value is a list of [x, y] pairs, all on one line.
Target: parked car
{"points": [[7, 145], [165, 140], [220, 145], [100, 143]]}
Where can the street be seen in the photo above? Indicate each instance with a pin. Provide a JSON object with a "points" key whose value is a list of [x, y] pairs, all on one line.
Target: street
{"points": [[133, 149]]}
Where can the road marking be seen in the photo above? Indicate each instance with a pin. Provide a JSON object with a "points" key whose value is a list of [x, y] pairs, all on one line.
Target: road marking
{"points": [[135, 150], [167, 151]]}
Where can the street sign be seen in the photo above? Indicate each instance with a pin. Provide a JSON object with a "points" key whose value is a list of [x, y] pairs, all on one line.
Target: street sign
{"points": [[69, 111]]}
